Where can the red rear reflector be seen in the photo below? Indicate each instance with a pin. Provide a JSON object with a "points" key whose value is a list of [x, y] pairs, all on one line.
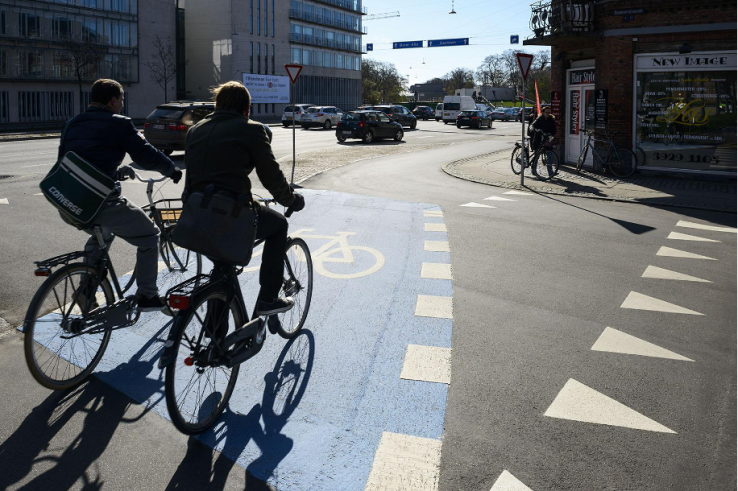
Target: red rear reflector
{"points": [[178, 127], [361, 124], [179, 302], [146, 125], [42, 272], [188, 361]]}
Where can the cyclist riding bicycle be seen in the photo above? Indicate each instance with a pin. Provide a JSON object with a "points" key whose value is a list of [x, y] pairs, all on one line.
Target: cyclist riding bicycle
{"points": [[545, 123], [222, 149], [102, 137]]}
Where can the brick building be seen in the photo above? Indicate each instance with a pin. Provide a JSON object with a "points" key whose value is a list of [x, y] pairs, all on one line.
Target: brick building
{"points": [[658, 77]]}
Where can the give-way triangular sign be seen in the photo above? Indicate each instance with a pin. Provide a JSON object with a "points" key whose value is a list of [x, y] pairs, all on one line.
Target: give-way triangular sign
{"points": [[524, 60], [293, 71]]}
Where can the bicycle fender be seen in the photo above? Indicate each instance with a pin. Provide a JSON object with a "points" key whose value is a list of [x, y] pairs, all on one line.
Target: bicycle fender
{"points": [[169, 354]]}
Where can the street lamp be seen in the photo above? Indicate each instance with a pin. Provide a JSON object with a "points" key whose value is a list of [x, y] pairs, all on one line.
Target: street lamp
{"points": [[452, 8]]}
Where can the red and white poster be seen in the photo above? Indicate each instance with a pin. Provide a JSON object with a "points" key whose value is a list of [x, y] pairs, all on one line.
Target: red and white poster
{"points": [[574, 112]]}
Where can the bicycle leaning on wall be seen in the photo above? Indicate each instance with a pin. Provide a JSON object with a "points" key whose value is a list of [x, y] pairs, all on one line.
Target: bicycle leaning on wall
{"points": [[622, 162]]}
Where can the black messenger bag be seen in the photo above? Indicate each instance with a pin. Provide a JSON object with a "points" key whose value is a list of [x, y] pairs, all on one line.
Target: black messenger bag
{"points": [[218, 226]]}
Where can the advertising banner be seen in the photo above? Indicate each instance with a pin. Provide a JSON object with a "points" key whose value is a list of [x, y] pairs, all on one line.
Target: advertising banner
{"points": [[686, 116], [266, 89], [601, 109]]}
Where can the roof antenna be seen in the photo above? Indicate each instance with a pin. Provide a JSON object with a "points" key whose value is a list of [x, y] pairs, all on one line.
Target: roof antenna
{"points": [[452, 8]]}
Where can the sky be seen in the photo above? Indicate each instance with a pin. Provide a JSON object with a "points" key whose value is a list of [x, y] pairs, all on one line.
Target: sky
{"points": [[487, 23]]}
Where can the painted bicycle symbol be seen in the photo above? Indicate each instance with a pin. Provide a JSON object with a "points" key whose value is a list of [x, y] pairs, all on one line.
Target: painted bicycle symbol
{"points": [[336, 251]]}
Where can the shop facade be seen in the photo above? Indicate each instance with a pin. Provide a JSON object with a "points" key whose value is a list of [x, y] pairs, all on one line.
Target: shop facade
{"points": [[644, 75]]}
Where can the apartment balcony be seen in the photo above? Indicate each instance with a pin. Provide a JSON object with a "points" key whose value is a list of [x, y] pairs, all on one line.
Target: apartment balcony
{"points": [[350, 5], [326, 21], [326, 43], [556, 19]]}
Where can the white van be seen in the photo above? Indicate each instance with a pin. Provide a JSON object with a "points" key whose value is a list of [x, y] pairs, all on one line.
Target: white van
{"points": [[454, 104], [439, 112]]}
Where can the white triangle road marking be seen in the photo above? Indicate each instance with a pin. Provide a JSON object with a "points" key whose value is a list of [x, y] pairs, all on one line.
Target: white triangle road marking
{"points": [[666, 274], [614, 341], [519, 193], [700, 226], [639, 301], [577, 402], [508, 482], [669, 252], [678, 236], [4, 201], [498, 198], [477, 205]]}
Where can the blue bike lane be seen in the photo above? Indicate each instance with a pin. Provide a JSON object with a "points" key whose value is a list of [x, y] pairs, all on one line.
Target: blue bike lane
{"points": [[357, 400]]}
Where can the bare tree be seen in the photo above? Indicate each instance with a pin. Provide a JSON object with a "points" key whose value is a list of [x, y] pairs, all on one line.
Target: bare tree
{"points": [[163, 65], [492, 71], [459, 78], [84, 60]]}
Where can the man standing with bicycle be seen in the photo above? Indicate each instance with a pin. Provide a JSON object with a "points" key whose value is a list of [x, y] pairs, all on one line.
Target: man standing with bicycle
{"points": [[545, 124], [102, 137], [222, 149]]}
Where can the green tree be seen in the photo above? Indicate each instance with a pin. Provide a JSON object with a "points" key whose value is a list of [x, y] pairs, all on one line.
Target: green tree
{"points": [[381, 82]]}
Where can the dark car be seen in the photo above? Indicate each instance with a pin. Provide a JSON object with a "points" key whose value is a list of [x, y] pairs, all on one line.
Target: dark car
{"points": [[401, 114], [368, 126], [166, 127], [473, 119], [424, 112], [528, 112]]}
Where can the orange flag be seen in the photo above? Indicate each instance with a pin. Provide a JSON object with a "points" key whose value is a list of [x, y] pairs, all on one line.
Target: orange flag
{"points": [[538, 100]]}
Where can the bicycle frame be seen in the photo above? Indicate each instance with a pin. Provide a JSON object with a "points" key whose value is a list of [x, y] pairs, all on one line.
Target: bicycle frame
{"points": [[602, 162]]}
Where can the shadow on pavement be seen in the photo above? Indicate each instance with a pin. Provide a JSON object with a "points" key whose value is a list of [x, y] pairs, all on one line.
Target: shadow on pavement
{"points": [[203, 468], [105, 409]]}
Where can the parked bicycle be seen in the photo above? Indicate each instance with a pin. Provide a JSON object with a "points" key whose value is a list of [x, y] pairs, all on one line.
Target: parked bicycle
{"points": [[70, 319], [212, 335], [622, 162], [544, 163]]}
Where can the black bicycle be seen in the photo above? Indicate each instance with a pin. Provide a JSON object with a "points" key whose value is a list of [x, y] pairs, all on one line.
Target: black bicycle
{"points": [[70, 319], [544, 163], [212, 335]]}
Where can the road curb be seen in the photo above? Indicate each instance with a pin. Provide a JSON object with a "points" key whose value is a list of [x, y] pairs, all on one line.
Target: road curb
{"points": [[27, 138], [449, 168]]}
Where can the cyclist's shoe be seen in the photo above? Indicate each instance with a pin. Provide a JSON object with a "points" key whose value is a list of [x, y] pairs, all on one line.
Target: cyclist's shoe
{"points": [[277, 306], [274, 323], [152, 304]]}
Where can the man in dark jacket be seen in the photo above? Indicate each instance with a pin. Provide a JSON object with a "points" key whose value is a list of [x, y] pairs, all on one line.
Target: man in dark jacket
{"points": [[102, 137], [222, 149], [545, 124]]}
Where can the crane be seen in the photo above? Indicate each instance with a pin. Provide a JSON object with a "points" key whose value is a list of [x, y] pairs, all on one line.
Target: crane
{"points": [[383, 15]]}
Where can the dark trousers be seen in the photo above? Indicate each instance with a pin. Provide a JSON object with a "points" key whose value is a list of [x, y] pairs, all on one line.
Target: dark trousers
{"points": [[273, 229]]}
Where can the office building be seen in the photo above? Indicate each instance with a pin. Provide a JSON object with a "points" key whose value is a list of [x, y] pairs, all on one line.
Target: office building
{"points": [[38, 80]]}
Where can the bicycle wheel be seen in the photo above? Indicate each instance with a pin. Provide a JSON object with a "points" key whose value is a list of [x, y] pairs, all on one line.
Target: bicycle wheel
{"points": [[176, 265], [197, 395], [581, 159], [515, 161], [298, 284], [58, 352], [622, 162], [546, 166]]}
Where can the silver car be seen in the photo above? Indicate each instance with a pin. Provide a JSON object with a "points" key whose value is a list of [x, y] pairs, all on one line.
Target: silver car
{"points": [[323, 116]]}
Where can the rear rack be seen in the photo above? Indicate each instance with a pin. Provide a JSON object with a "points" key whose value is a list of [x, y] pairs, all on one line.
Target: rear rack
{"points": [[186, 288], [63, 259]]}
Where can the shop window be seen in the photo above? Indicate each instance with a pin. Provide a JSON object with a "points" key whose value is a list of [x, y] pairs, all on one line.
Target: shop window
{"points": [[687, 119]]}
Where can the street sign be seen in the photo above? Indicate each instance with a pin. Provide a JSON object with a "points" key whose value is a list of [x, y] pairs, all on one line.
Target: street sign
{"points": [[407, 44], [370, 46], [293, 71], [438, 43], [524, 61], [514, 39]]}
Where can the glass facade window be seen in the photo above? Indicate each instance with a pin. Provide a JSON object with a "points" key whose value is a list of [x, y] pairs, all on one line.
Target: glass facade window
{"points": [[3, 27], [251, 57], [4, 63], [273, 24], [258, 57], [251, 17], [258, 17], [274, 66], [29, 24], [686, 118], [61, 26]]}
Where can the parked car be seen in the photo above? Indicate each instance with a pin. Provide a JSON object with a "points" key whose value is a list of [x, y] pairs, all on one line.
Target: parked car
{"points": [[166, 127], [473, 119], [519, 110], [294, 113], [323, 116], [424, 112], [504, 114], [368, 126], [439, 112], [401, 114]]}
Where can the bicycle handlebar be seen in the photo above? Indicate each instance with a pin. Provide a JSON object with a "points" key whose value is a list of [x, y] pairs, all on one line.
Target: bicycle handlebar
{"points": [[141, 179]]}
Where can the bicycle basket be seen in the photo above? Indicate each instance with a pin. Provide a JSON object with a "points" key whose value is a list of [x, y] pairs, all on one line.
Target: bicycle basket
{"points": [[168, 214]]}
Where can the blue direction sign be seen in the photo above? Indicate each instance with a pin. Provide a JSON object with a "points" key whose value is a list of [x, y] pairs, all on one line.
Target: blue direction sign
{"points": [[437, 43], [514, 39], [407, 44], [369, 47]]}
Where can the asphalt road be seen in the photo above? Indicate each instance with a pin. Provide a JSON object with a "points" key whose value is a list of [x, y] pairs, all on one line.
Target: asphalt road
{"points": [[559, 377]]}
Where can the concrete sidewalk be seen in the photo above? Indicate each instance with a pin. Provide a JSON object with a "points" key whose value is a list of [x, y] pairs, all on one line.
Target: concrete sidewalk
{"points": [[687, 192]]}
